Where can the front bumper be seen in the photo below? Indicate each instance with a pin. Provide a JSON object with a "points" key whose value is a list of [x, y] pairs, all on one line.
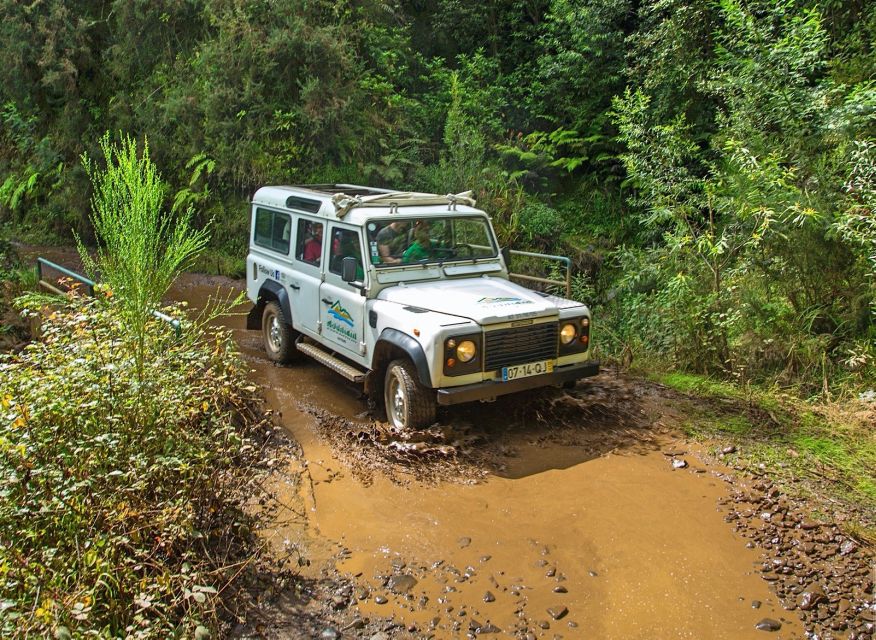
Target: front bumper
{"points": [[494, 388]]}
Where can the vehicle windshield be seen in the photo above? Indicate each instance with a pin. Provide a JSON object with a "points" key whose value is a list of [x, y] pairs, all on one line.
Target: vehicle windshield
{"points": [[399, 241]]}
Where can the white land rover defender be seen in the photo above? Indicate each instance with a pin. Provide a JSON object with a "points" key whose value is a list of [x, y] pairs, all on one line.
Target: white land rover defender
{"points": [[408, 293]]}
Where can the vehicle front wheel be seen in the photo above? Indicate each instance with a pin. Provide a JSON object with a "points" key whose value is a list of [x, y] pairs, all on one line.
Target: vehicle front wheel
{"points": [[278, 334], [409, 405]]}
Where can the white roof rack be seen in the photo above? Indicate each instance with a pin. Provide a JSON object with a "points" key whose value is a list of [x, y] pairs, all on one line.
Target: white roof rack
{"points": [[344, 203]]}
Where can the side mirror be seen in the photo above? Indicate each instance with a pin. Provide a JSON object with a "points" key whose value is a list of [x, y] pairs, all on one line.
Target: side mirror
{"points": [[348, 269], [506, 256]]}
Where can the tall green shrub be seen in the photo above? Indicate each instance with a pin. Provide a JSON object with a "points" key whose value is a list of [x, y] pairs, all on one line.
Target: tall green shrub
{"points": [[140, 248]]}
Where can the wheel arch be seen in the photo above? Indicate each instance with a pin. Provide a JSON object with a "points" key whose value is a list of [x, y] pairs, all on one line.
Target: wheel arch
{"points": [[270, 290], [392, 345]]}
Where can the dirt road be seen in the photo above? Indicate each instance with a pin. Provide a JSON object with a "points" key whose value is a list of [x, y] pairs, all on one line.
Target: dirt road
{"points": [[549, 515], [580, 514]]}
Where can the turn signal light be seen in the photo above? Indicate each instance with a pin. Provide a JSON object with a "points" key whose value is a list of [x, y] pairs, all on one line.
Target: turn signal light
{"points": [[585, 339], [451, 362]]}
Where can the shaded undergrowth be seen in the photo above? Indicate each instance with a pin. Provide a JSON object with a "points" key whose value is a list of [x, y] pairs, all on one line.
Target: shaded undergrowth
{"points": [[123, 499]]}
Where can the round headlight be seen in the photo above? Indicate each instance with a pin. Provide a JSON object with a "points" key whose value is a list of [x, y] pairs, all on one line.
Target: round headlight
{"points": [[466, 350], [568, 333]]}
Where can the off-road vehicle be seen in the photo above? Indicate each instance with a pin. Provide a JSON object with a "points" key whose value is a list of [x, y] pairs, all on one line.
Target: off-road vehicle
{"points": [[408, 293]]}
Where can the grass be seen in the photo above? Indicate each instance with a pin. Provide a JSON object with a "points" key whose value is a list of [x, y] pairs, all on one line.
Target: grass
{"points": [[833, 445]]}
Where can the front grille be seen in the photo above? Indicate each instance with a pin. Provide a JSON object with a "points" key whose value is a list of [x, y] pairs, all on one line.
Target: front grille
{"points": [[520, 345]]}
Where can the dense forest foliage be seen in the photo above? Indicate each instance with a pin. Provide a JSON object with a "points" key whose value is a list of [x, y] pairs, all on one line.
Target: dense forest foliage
{"points": [[711, 166]]}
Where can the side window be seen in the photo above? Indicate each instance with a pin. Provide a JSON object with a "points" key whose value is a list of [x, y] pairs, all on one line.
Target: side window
{"points": [[345, 242], [273, 230], [308, 247]]}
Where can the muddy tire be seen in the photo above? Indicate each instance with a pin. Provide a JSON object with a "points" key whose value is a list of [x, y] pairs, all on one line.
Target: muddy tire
{"points": [[409, 405], [278, 334]]}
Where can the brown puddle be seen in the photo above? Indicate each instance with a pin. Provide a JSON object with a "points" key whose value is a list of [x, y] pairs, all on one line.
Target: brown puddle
{"points": [[558, 515]]}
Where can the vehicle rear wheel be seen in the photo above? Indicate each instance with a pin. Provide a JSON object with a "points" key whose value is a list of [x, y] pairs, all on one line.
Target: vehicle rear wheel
{"points": [[278, 334], [409, 405]]}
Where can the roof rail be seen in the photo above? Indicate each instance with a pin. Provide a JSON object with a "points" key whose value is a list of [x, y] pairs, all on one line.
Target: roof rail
{"points": [[345, 202]]}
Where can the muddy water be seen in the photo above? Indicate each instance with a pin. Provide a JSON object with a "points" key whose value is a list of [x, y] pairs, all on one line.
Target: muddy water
{"points": [[582, 517], [560, 516]]}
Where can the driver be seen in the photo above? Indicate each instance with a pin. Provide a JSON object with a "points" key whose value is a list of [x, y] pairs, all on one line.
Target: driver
{"points": [[422, 245], [390, 241]]}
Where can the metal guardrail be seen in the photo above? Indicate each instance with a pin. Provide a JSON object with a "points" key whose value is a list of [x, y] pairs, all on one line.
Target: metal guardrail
{"points": [[567, 263], [42, 263]]}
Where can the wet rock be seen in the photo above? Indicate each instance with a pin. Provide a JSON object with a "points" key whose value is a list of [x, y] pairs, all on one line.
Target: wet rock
{"points": [[486, 558], [551, 572], [847, 547], [398, 564], [557, 612], [755, 604], [339, 602], [543, 624], [402, 584], [488, 628], [329, 633], [560, 589], [768, 624], [573, 624], [380, 599], [362, 593], [813, 596], [678, 463], [489, 597], [464, 542], [529, 636], [671, 453], [728, 450], [593, 574]]}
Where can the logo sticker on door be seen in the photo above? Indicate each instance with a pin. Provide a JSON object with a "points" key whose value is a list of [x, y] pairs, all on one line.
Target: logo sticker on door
{"points": [[344, 324]]}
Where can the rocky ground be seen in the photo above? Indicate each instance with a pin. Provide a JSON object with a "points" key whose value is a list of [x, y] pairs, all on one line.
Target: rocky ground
{"points": [[817, 569]]}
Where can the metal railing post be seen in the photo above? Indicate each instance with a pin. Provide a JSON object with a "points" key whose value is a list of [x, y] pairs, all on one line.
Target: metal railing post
{"points": [[567, 263]]}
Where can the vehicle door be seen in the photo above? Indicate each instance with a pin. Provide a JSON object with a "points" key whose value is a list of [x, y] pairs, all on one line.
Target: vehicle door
{"points": [[307, 274], [341, 304]]}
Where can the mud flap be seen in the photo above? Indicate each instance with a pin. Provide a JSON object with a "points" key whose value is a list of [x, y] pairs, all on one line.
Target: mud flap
{"points": [[254, 317]]}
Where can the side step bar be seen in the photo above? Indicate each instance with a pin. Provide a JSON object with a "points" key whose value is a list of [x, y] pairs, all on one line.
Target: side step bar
{"points": [[335, 364]]}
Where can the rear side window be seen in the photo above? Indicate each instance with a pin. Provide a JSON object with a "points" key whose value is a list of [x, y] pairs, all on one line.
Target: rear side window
{"points": [[308, 246], [273, 230]]}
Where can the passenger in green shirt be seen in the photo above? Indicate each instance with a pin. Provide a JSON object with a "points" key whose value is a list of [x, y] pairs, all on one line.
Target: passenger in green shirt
{"points": [[422, 246]]}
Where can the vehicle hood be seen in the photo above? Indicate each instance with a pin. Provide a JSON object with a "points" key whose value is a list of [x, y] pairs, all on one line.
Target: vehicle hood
{"points": [[484, 300]]}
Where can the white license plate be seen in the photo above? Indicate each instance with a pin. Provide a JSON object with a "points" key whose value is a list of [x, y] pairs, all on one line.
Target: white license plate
{"points": [[526, 370]]}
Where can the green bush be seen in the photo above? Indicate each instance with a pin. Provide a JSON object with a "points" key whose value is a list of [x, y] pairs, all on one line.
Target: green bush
{"points": [[115, 521], [540, 223]]}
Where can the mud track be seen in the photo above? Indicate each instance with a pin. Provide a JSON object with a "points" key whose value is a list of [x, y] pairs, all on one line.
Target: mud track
{"points": [[579, 514]]}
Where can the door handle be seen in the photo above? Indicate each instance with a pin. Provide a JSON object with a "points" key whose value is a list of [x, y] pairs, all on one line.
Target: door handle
{"points": [[294, 286], [327, 301]]}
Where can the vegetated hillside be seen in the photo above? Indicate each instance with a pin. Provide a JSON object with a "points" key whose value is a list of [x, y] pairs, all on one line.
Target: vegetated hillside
{"points": [[709, 165]]}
